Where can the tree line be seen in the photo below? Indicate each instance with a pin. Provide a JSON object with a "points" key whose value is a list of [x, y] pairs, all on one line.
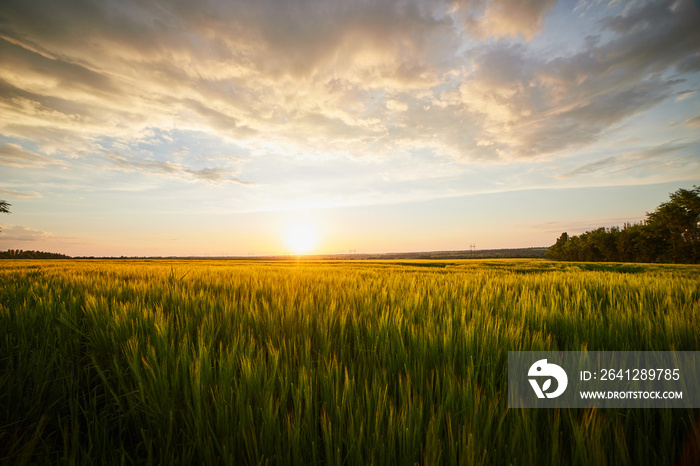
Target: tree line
{"points": [[669, 234], [20, 254]]}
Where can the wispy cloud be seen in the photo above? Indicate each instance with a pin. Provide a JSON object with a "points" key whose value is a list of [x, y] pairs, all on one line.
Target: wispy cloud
{"points": [[693, 122], [14, 155], [12, 193], [657, 151], [591, 167], [211, 175], [667, 153]]}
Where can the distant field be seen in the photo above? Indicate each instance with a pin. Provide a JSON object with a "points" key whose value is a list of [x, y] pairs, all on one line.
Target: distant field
{"points": [[349, 362]]}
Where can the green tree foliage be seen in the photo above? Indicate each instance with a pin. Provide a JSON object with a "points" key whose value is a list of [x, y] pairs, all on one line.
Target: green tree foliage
{"points": [[4, 208], [669, 234]]}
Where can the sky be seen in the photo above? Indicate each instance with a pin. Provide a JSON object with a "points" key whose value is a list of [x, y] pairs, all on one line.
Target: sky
{"points": [[256, 127]]}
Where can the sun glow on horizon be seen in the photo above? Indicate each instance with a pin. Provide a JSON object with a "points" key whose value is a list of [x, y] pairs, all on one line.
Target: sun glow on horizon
{"points": [[301, 237]]}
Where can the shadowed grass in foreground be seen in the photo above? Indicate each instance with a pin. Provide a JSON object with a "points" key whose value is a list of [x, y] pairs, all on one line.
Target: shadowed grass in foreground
{"points": [[159, 362]]}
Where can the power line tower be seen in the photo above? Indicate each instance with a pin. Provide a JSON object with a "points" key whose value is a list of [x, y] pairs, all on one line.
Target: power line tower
{"points": [[472, 247]]}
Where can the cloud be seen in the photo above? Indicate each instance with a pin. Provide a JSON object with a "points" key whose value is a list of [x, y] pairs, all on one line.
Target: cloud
{"points": [[219, 120], [591, 167], [396, 106], [664, 154], [528, 105], [23, 233], [13, 155], [328, 78], [12, 193], [43, 72], [506, 18], [210, 175], [693, 122], [275, 37], [657, 151], [237, 68]]}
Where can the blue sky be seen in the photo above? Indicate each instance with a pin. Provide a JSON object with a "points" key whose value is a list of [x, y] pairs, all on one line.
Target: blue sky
{"points": [[215, 127]]}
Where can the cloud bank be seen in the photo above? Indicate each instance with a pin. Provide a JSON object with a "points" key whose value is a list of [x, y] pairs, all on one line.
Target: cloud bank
{"points": [[460, 79]]}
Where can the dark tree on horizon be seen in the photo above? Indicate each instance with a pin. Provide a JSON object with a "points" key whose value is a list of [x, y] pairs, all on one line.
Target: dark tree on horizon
{"points": [[669, 234]]}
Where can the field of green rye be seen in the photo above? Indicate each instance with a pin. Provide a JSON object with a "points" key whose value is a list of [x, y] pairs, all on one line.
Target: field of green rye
{"points": [[332, 363]]}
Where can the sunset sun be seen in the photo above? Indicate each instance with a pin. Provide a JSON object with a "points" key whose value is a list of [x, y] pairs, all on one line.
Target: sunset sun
{"points": [[301, 237]]}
